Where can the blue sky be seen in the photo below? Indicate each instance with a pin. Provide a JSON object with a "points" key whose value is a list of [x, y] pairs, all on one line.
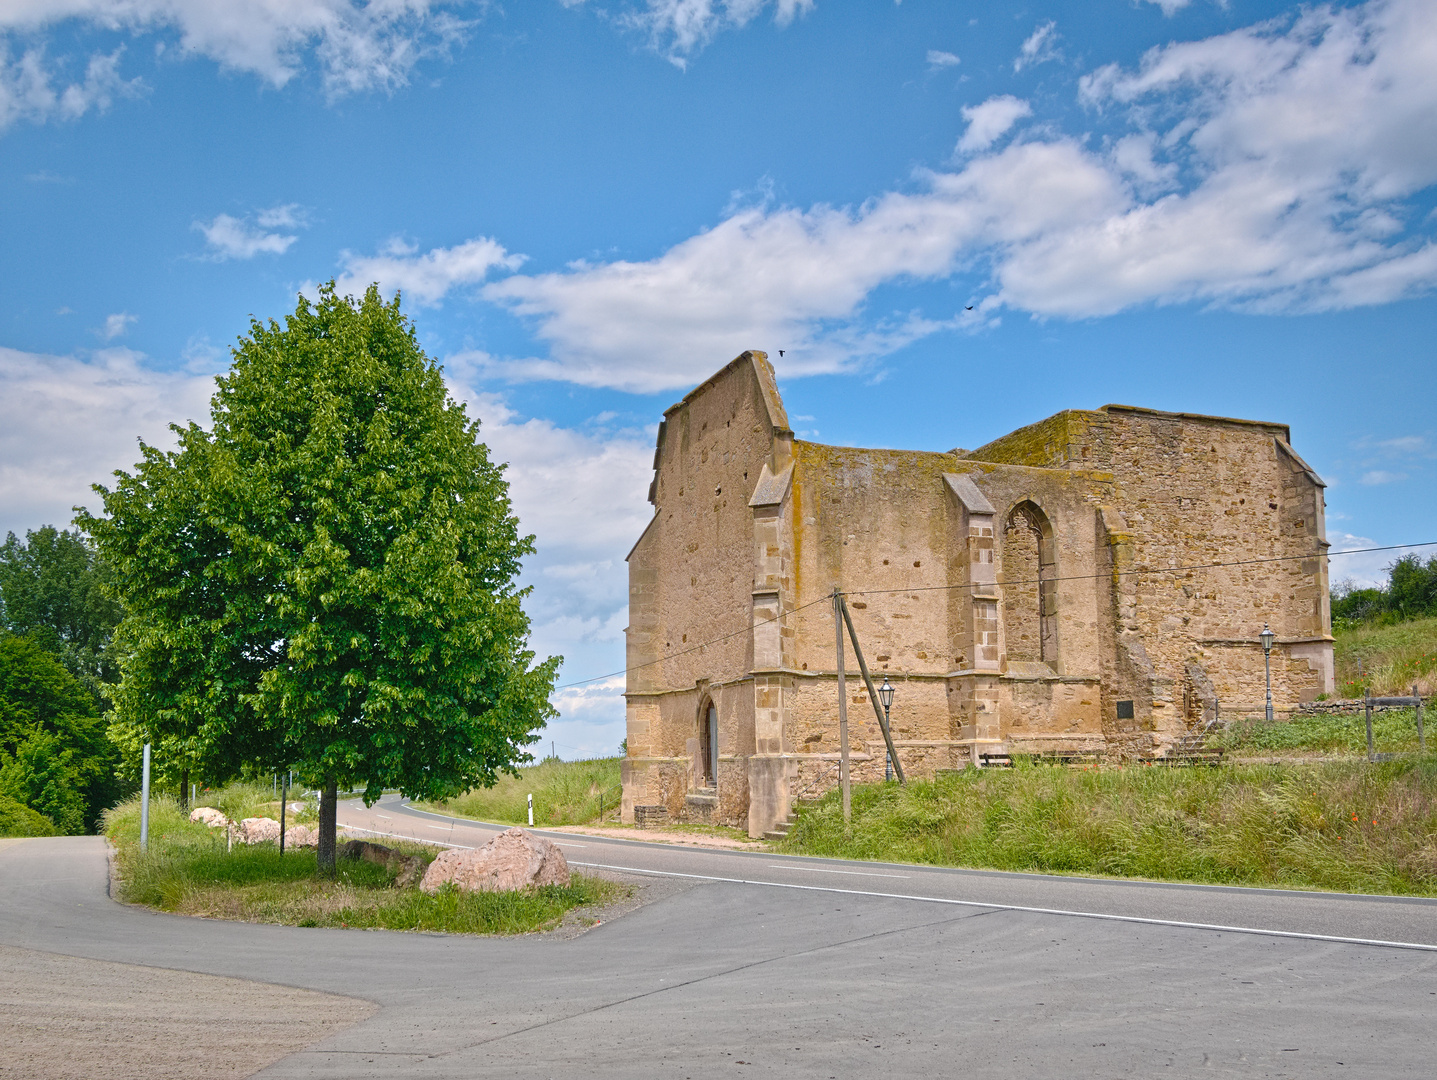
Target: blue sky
{"points": [[589, 207]]}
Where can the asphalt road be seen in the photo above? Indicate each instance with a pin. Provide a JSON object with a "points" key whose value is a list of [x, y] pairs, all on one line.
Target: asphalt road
{"points": [[747, 966]]}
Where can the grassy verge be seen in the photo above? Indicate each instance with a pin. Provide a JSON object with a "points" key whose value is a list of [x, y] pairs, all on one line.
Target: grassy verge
{"points": [[1392, 732], [1386, 659], [565, 793], [1338, 825], [187, 870]]}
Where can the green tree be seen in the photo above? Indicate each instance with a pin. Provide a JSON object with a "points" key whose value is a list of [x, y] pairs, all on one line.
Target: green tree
{"points": [[54, 754], [52, 588], [1412, 586], [326, 578], [44, 776]]}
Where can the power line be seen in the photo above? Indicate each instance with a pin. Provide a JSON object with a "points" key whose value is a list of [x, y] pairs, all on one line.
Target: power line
{"points": [[828, 598]]}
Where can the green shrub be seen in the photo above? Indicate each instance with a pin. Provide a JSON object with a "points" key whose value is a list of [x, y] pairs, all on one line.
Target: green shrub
{"points": [[17, 819]]}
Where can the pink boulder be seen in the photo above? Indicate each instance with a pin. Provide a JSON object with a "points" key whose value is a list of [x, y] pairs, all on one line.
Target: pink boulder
{"points": [[301, 836], [258, 830], [514, 859], [210, 816]]}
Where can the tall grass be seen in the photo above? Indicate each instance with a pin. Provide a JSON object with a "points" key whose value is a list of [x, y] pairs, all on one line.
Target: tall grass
{"points": [[1392, 732], [1386, 660], [188, 870], [565, 793], [1346, 826]]}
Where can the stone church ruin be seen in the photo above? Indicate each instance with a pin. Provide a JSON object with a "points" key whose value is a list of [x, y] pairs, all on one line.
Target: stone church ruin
{"points": [[1050, 591]]}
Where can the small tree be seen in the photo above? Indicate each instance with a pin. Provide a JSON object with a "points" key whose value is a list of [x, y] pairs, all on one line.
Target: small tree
{"points": [[325, 579]]}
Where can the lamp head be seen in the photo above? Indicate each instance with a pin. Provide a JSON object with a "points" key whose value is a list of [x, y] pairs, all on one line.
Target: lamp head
{"points": [[1267, 637], [885, 694]]}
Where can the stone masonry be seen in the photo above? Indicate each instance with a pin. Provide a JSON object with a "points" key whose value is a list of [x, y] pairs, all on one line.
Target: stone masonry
{"points": [[1054, 590]]}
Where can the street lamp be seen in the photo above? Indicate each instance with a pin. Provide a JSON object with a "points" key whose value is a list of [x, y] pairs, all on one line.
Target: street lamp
{"points": [[885, 696], [1267, 636]]}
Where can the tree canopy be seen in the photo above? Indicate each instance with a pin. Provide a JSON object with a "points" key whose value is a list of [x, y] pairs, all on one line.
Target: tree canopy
{"points": [[52, 589], [54, 756], [1410, 593], [326, 578]]}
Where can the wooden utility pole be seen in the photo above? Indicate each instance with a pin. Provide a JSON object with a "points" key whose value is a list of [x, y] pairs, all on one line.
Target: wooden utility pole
{"points": [[872, 693], [842, 708]]}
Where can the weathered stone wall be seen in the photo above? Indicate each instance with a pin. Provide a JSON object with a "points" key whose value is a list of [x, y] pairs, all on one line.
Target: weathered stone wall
{"points": [[1026, 596], [690, 582]]}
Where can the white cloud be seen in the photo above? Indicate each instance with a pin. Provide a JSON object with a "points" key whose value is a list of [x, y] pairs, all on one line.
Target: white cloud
{"points": [[1039, 47], [591, 720], [583, 493], [1172, 7], [1375, 477], [285, 216], [680, 28], [1133, 156], [358, 45], [28, 89], [1265, 170], [116, 325], [990, 121], [1406, 444], [423, 279], [1366, 569], [939, 59], [67, 423], [236, 238]]}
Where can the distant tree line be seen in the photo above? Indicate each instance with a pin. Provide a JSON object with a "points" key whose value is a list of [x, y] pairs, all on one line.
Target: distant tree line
{"points": [[56, 625], [1410, 593]]}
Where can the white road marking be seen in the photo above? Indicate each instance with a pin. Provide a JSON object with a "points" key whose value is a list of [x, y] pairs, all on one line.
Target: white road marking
{"points": [[445, 828], [1030, 910], [404, 836], [820, 870], [386, 817]]}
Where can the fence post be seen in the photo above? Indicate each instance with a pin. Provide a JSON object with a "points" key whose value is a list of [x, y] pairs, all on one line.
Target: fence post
{"points": [[842, 709], [1367, 701], [145, 803]]}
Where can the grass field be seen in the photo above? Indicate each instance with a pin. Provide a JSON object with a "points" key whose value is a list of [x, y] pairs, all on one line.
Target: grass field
{"points": [[1338, 825], [565, 793], [1326, 736], [188, 871], [1386, 659]]}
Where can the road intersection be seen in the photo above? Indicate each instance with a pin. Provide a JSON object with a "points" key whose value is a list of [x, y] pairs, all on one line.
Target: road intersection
{"points": [[758, 964]]}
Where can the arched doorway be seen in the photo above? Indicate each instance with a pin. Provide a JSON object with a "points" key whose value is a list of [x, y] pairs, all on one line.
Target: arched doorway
{"points": [[1030, 588], [708, 744]]}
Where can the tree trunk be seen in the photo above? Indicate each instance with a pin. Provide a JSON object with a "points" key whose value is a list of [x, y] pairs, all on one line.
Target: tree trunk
{"points": [[328, 814], [185, 790]]}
